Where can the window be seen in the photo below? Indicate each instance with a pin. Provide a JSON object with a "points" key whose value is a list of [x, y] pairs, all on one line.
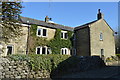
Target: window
{"points": [[44, 32], [43, 50], [38, 50], [9, 50], [64, 51], [41, 32], [102, 51], [64, 35], [102, 54], [101, 36]]}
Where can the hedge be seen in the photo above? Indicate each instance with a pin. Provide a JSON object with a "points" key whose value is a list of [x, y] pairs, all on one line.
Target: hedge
{"points": [[40, 62]]}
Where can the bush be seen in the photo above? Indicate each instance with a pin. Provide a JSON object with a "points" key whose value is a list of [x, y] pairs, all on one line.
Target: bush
{"points": [[118, 55], [40, 62]]}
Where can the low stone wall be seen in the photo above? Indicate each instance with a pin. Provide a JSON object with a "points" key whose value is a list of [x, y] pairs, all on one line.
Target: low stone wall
{"points": [[113, 63], [19, 69]]}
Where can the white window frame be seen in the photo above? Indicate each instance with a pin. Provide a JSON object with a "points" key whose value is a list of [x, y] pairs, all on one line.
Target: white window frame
{"points": [[64, 34], [12, 49], [46, 49], [41, 33], [67, 53], [101, 36]]}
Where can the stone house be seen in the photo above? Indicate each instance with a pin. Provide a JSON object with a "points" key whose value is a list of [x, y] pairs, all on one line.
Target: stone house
{"points": [[94, 38], [45, 30]]}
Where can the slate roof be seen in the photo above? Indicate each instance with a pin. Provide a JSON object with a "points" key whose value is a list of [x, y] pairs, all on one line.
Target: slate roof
{"points": [[85, 25], [43, 23]]}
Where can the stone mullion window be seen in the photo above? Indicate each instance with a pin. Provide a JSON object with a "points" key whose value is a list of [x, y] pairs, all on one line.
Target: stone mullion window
{"points": [[43, 50], [64, 35], [41, 32], [64, 51]]}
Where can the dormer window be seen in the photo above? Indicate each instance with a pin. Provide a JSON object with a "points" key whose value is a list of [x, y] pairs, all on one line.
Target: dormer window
{"points": [[64, 35], [101, 36], [41, 32]]}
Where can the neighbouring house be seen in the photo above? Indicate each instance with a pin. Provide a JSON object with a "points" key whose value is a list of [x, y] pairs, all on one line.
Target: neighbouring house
{"points": [[47, 37], [95, 38]]}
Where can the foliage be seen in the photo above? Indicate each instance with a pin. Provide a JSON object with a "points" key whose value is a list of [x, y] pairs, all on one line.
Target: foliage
{"points": [[40, 62], [34, 40], [19, 57], [118, 55], [11, 11], [55, 44], [112, 58], [10, 16]]}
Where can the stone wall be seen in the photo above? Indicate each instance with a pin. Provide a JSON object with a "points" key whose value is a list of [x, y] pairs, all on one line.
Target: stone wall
{"points": [[19, 44], [82, 42], [108, 43], [19, 69]]}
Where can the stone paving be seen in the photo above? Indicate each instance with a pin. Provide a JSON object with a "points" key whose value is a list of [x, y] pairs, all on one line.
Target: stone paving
{"points": [[106, 72]]}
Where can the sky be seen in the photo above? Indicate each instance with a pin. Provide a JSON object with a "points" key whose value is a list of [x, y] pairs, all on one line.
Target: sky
{"points": [[72, 13]]}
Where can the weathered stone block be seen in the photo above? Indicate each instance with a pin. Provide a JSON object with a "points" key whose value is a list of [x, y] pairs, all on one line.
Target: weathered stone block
{"points": [[18, 77]]}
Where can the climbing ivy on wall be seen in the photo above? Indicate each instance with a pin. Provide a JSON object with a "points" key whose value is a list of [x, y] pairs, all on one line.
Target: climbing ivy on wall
{"points": [[55, 44], [35, 41]]}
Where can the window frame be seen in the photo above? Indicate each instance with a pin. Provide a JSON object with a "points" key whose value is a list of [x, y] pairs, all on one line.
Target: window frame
{"points": [[12, 49], [63, 34], [101, 36], [41, 32], [63, 50], [41, 50]]}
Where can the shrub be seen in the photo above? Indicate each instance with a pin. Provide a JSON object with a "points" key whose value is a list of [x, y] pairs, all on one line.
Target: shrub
{"points": [[40, 62], [118, 55]]}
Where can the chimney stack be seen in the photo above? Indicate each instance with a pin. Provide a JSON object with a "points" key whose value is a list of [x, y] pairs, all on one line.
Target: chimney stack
{"points": [[100, 15], [47, 19]]}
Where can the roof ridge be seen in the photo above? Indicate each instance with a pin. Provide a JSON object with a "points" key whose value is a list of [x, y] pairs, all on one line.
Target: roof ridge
{"points": [[46, 22], [43, 23], [85, 25]]}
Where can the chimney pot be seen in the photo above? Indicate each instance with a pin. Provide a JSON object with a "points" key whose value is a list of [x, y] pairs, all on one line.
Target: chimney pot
{"points": [[47, 19], [99, 15]]}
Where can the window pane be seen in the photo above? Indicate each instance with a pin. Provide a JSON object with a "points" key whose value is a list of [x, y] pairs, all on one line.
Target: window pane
{"points": [[102, 54], [43, 50], [9, 50], [66, 35], [44, 32], [101, 36], [65, 51], [39, 31], [102, 51], [62, 51], [38, 50], [61, 35], [48, 51]]}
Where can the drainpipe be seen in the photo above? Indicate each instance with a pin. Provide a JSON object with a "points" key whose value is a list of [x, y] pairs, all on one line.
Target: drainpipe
{"points": [[27, 49]]}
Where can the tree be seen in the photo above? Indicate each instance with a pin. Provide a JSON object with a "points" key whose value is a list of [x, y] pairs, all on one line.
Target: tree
{"points": [[11, 27]]}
